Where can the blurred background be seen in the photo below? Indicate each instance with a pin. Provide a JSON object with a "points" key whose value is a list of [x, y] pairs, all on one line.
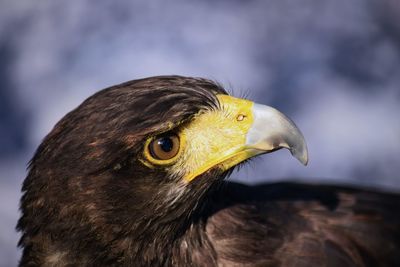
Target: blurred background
{"points": [[333, 66]]}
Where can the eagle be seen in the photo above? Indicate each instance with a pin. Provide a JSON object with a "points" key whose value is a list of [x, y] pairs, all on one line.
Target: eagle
{"points": [[136, 176]]}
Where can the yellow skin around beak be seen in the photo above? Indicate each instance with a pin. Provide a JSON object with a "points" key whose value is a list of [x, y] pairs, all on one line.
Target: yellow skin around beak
{"points": [[239, 130]]}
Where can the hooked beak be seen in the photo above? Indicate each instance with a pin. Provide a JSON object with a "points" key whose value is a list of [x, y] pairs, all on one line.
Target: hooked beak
{"points": [[272, 130], [240, 129]]}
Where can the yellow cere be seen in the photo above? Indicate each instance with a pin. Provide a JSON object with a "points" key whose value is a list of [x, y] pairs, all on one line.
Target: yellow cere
{"points": [[215, 138]]}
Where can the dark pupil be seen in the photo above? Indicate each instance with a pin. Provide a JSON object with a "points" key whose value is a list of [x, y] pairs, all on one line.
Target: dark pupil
{"points": [[166, 144]]}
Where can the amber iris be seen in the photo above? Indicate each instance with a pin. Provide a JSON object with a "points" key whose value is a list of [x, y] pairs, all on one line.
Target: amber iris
{"points": [[164, 147]]}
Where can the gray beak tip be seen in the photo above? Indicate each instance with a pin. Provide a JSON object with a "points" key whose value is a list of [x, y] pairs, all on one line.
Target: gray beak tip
{"points": [[299, 149], [273, 130], [301, 155]]}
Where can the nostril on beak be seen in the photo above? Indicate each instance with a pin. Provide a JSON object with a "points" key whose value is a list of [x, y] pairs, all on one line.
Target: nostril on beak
{"points": [[240, 117]]}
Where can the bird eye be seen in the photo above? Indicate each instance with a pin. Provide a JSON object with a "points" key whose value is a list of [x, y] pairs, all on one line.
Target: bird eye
{"points": [[164, 147]]}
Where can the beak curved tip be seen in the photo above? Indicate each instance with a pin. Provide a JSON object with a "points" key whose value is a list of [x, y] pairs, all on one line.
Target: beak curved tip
{"points": [[301, 154], [272, 130]]}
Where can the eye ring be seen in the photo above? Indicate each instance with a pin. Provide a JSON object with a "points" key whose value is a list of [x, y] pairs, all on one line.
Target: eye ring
{"points": [[164, 148]]}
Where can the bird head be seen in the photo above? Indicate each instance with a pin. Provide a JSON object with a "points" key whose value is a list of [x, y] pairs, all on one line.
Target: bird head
{"points": [[137, 161]]}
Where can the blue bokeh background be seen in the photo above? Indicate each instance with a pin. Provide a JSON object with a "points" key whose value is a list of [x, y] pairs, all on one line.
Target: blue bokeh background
{"points": [[332, 65]]}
